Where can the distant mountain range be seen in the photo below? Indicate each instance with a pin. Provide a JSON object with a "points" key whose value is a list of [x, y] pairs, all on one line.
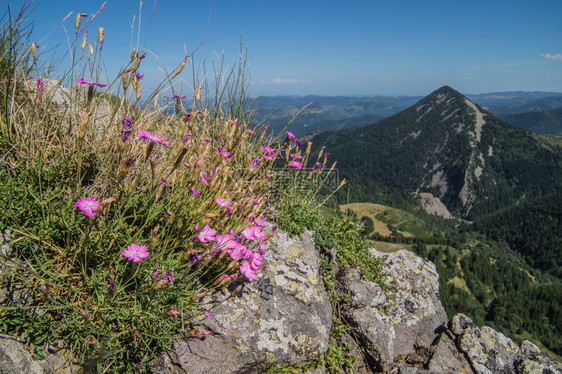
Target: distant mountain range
{"points": [[336, 112], [457, 160], [547, 122], [327, 112]]}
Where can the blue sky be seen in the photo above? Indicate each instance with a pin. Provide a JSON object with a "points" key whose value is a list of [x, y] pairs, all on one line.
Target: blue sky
{"points": [[376, 47]]}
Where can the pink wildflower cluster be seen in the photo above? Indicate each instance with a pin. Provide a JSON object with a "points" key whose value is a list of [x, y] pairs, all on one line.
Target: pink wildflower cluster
{"points": [[234, 246], [269, 153]]}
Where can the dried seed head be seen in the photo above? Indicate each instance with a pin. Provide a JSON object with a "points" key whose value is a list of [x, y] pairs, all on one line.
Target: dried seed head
{"points": [[83, 45], [160, 283], [125, 80], [77, 21], [180, 67], [34, 46], [101, 31], [90, 48]]}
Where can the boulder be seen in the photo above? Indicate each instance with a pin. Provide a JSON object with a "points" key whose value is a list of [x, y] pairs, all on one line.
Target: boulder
{"points": [[399, 331], [283, 317], [16, 358], [489, 351], [447, 359]]}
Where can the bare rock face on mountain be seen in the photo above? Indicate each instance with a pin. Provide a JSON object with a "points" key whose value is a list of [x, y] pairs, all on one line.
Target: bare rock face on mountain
{"points": [[283, 317], [401, 329]]}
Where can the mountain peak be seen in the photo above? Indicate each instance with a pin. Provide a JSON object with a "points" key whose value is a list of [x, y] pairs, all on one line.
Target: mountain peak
{"points": [[448, 148]]}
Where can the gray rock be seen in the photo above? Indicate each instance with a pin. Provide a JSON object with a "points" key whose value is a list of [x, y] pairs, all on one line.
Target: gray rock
{"points": [[283, 317], [447, 359], [531, 360], [16, 358], [400, 331], [487, 350]]}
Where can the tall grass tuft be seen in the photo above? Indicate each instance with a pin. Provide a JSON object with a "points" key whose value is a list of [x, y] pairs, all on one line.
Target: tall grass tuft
{"points": [[124, 215]]}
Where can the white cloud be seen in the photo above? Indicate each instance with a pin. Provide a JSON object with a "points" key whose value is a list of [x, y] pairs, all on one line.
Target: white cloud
{"points": [[556, 57], [284, 81]]}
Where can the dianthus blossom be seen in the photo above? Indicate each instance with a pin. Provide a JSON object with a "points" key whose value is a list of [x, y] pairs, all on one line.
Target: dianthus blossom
{"points": [[83, 81], [156, 138], [293, 137], [223, 203], [135, 252], [88, 205], [255, 162], [251, 232], [267, 149], [295, 164], [207, 234]]}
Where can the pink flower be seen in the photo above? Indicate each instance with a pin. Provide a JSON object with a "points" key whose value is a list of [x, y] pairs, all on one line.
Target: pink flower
{"points": [[207, 234], [223, 203], [251, 265], [204, 178], [260, 223], [39, 83], [194, 192], [295, 164], [267, 149], [269, 157], [253, 233], [255, 162], [293, 137], [251, 131], [88, 205], [178, 97], [208, 313], [245, 270], [156, 138], [135, 252], [223, 242], [83, 81]]}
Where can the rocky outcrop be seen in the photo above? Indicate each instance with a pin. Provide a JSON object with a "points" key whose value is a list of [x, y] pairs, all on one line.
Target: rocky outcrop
{"points": [[283, 317], [489, 351], [400, 329]]}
